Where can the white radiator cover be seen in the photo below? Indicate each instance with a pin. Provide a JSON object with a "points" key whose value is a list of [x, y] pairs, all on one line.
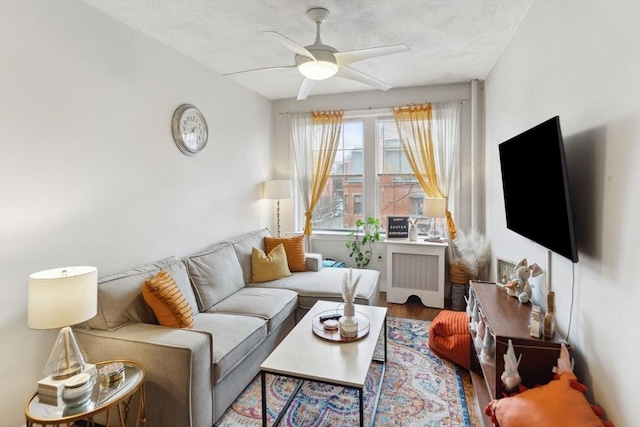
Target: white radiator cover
{"points": [[416, 268]]}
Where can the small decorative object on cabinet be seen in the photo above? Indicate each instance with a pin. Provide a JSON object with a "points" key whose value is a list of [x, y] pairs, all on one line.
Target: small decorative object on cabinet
{"points": [[519, 286], [508, 321], [549, 321], [413, 230]]}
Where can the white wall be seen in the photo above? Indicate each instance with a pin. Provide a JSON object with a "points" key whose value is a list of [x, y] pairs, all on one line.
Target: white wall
{"points": [[89, 172], [581, 61], [333, 246]]}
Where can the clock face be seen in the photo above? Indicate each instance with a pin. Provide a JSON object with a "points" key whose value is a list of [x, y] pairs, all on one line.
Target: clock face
{"points": [[189, 129]]}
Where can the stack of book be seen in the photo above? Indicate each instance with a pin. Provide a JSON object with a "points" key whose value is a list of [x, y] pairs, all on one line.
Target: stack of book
{"points": [[50, 390]]}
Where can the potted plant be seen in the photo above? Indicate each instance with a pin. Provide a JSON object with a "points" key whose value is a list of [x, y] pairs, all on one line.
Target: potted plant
{"points": [[366, 234]]}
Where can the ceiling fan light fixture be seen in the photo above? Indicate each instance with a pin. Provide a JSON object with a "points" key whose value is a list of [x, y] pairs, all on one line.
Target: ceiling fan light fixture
{"points": [[318, 70]]}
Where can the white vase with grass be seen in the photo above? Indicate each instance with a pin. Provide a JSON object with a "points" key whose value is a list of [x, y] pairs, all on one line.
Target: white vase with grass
{"points": [[349, 321]]}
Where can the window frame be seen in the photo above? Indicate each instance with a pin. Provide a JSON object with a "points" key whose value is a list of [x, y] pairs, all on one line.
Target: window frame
{"points": [[370, 206]]}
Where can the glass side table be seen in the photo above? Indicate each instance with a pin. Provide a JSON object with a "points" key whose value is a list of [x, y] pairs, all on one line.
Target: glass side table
{"points": [[102, 401]]}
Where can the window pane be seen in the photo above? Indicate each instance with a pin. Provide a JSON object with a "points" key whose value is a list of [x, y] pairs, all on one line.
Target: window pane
{"points": [[399, 192], [341, 202]]}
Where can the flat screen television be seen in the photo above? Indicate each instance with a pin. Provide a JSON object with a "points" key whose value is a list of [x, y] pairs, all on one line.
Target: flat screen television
{"points": [[535, 184]]}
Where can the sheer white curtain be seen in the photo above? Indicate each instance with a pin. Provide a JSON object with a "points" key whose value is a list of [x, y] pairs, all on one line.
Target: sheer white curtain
{"points": [[446, 137], [301, 135]]}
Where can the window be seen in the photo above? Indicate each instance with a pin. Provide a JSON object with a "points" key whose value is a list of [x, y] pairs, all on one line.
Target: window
{"points": [[399, 192], [357, 204], [341, 202], [371, 176]]}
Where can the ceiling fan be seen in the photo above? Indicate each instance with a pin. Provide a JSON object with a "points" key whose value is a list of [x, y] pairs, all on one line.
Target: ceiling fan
{"points": [[319, 61]]}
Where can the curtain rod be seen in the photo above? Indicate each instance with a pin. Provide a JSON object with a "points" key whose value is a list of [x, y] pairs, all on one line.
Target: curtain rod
{"points": [[462, 101]]}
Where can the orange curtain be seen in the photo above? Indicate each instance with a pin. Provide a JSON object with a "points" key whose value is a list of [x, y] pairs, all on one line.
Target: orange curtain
{"points": [[414, 129], [327, 128]]}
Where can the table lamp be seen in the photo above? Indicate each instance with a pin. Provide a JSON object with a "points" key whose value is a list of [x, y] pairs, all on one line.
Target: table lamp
{"points": [[435, 208], [60, 298], [277, 189]]}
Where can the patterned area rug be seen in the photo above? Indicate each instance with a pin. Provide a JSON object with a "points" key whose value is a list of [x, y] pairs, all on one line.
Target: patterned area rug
{"points": [[419, 389]]}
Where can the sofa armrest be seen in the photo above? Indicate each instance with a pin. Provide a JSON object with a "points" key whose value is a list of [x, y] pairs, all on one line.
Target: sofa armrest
{"points": [[314, 261], [178, 367]]}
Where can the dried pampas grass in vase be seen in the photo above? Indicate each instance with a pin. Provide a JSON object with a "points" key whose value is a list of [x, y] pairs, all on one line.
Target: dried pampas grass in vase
{"points": [[473, 250]]}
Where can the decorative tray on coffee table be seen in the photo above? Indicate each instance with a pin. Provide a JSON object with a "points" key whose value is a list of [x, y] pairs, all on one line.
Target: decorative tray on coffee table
{"points": [[334, 334]]}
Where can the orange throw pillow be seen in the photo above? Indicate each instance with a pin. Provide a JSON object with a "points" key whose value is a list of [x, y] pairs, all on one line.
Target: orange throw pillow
{"points": [[293, 246], [556, 404], [167, 301]]}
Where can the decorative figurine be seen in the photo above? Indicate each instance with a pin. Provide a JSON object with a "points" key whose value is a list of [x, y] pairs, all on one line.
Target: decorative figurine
{"points": [[487, 345], [519, 286], [510, 377], [565, 362]]}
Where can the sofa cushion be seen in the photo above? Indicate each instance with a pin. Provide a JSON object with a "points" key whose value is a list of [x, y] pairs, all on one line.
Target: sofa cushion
{"points": [[120, 300], [326, 284], [293, 246], [269, 267], [234, 338], [272, 305], [215, 274], [244, 244], [167, 302]]}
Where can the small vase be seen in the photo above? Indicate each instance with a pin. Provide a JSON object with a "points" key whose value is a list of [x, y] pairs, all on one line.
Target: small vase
{"points": [[349, 309], [413, 233]]}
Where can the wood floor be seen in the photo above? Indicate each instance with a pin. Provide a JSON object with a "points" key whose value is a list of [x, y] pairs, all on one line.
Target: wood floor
{"points": [[412, 309]]}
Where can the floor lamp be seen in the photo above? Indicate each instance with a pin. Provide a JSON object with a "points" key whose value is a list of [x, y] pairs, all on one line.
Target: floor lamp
{"points": [[435, 208], [277, 189]]}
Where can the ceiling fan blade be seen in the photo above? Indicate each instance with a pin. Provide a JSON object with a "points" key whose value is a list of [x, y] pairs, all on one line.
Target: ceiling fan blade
{"points": [[348, 57], [305, 88], [283, 67], [289, 44], [350, 73]]}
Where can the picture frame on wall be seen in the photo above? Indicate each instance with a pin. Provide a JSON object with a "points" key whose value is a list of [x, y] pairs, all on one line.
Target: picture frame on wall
{"points": [[504, 270]]}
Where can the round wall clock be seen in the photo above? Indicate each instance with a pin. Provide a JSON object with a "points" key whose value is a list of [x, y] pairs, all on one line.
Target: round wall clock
{"points": [[189, 129]]}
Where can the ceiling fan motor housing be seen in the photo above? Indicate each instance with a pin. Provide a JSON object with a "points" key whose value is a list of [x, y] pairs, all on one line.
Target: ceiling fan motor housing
{"points": [[325, 63]]}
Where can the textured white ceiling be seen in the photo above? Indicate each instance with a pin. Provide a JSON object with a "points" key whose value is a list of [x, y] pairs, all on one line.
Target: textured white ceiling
{"points": [[451, 41]]}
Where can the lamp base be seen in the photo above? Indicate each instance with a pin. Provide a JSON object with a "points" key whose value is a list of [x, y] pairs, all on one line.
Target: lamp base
{"points": [[67, 358]]}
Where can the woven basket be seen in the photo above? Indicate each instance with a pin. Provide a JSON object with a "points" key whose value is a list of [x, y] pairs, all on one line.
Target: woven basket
{"points": [[458, 274]]}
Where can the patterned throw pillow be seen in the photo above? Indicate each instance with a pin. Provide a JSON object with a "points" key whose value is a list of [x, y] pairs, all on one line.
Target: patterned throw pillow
{"points": [[293, 246], [167, 302], [269, 267]]}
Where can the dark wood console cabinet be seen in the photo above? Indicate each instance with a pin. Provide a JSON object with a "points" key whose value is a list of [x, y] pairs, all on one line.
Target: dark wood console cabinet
{"points": [[508, 319]]}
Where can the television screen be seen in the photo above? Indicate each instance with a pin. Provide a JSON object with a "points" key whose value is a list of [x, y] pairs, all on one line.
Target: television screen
{"points": [[536, 190]]}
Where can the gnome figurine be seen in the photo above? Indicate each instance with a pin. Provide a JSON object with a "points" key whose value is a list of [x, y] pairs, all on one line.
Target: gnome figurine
{"points": [[565, 362], [510, 377]]}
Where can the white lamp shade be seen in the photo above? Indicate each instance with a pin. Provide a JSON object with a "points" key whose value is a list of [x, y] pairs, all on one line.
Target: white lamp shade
{"points": [[62, 297], [435, 207], [277, 189], [318, 70]]}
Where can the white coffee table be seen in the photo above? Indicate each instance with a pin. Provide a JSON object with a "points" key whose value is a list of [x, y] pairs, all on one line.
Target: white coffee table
{"points": [[306, 356]]}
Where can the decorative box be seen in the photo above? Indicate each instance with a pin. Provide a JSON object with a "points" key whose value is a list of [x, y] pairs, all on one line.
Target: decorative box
{"points": [[111, 375]]}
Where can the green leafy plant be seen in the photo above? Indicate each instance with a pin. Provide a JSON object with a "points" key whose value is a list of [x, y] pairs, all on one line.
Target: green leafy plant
{"points": [[361, 247]]}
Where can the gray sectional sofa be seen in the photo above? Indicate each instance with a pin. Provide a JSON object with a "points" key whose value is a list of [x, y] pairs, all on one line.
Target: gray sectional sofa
{"points": [[193, 375]]}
